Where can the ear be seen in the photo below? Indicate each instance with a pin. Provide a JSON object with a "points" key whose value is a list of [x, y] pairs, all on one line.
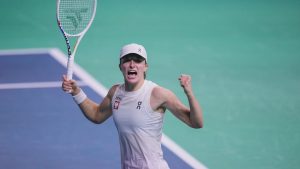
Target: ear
{"points": [[120, 66], [146, 67]]}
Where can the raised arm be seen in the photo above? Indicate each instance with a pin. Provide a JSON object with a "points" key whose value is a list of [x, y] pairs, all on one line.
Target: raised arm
{"points": [[165, 99], [97, 113], [196, 115]]}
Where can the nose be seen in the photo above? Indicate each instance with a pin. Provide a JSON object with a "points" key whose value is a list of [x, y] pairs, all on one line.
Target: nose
{"points": [[132, 63]]}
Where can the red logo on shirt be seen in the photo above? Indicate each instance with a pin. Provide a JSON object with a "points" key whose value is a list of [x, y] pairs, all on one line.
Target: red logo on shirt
{"points": [[117, 103]]}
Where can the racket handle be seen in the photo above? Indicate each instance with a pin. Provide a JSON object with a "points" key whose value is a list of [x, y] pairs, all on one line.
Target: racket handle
{"points": [[70, 70], [70, 67]]}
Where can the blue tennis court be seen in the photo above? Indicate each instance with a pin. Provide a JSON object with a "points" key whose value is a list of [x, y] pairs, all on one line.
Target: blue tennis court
{"points": [[41, 126], [243, 56]]}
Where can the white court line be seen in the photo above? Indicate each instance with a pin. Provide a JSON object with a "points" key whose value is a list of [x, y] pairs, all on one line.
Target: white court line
{"points": [[101, 90], [80, 72], [184, 155], [8, 52], [33, 85]]}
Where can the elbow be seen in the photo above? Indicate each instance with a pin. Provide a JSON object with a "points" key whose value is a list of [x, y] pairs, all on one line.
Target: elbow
{"points": [[197, 125], [97, 121]]}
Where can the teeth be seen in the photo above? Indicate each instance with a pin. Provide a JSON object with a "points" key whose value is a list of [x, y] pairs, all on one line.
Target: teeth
{"points": [[132, 72]]}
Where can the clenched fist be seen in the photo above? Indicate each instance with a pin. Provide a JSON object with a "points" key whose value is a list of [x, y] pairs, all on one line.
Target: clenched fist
{"points": [[186, 83]]}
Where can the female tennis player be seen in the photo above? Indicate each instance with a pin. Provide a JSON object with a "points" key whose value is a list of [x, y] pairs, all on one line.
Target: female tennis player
{"points": [[138, 107]]}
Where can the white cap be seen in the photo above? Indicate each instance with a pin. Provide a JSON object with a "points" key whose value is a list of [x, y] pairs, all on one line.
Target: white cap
{"points": [[133, 48]]}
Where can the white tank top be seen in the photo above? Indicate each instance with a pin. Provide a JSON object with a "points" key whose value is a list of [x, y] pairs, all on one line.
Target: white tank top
{"points": [[139, 128]]}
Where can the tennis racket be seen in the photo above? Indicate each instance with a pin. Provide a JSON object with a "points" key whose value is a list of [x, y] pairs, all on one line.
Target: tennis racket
{"points": [[74, 18]]}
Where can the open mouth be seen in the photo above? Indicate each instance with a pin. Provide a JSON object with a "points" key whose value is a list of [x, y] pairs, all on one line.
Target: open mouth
{"points": [[132, 73]]}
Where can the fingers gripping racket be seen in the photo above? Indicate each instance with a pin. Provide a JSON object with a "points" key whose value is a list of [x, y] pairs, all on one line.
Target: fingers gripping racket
{"points": [[74, 18]]}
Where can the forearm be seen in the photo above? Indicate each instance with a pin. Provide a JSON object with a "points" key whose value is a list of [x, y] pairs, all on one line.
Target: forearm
{"points": [[196, 116], [89, 110]]}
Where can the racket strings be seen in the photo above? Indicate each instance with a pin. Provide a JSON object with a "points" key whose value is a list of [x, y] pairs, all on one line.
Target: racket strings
{"points": [[75, 15]]}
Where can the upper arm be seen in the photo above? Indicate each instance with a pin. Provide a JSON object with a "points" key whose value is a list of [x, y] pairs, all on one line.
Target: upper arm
{"points": [[168, 100], [104, 110]]}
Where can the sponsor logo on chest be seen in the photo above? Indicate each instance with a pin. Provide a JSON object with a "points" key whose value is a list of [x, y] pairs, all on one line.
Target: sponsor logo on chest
{"points": [[118, 100]]}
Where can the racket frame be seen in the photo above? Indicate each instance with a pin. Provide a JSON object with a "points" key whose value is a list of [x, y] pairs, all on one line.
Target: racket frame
{"points": [[79, 36]]}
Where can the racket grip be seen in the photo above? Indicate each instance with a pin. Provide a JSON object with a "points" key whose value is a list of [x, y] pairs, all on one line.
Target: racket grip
{"points": [[70, 68]]}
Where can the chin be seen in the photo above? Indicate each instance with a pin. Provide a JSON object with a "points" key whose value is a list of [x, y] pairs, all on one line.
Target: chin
{"points": [[132, 80]]}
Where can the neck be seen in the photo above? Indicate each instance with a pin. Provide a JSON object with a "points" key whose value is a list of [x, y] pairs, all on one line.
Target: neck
{"points": [[133, 87]]}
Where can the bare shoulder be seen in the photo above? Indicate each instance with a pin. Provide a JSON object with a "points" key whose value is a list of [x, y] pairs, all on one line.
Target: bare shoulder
{"points": [[159, 92], [161, 95], [112, 91]]}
